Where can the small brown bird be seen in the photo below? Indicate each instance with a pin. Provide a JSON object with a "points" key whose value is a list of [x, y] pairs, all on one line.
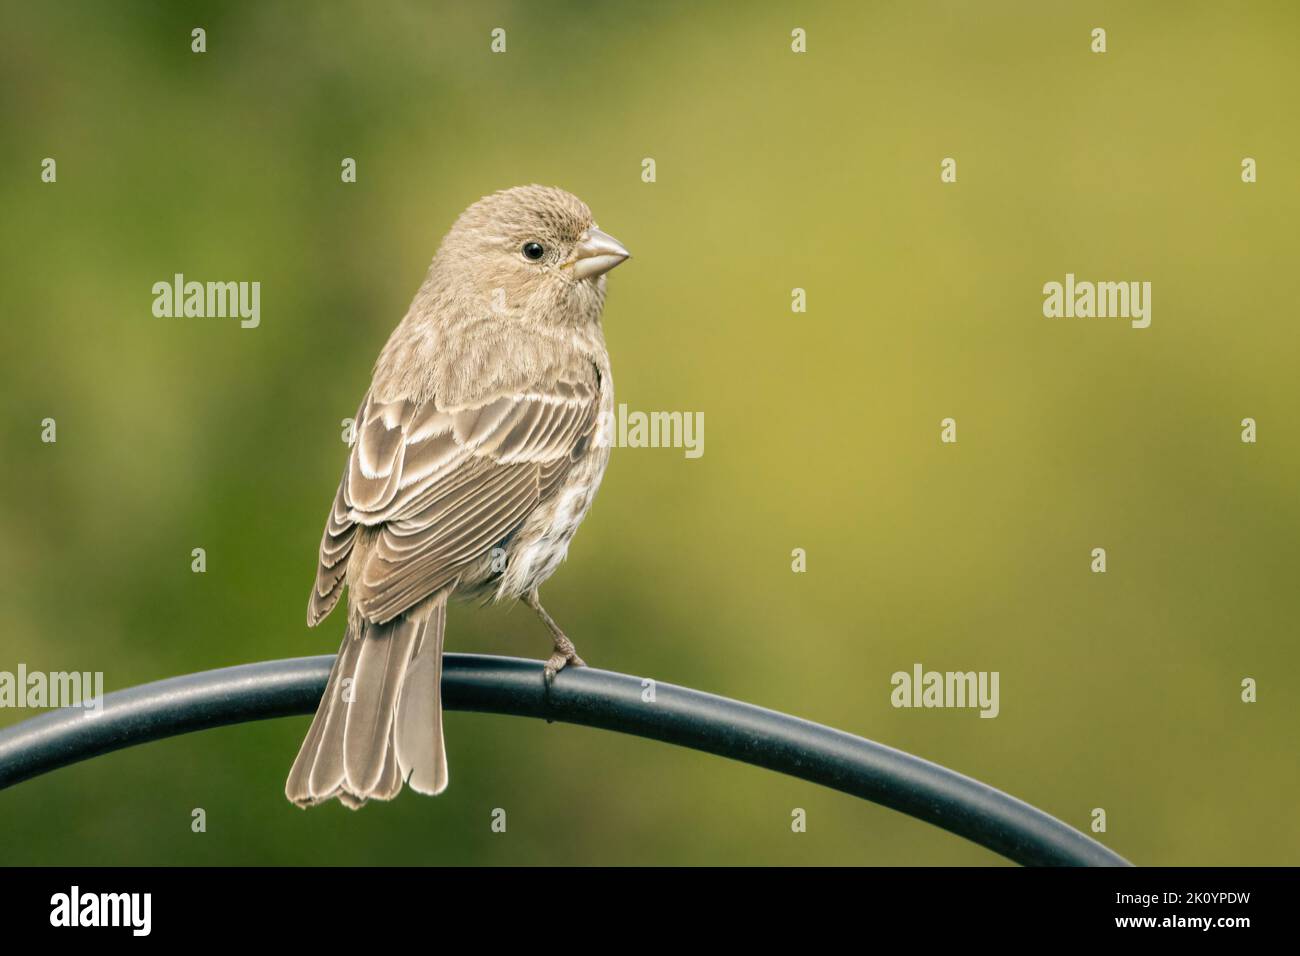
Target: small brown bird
{"points": [[479, 448]]}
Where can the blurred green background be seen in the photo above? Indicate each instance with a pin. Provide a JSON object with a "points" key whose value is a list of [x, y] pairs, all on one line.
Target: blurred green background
{"points": [[775, 171]]}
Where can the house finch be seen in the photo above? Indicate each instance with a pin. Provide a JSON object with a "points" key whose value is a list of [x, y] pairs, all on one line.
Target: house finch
{"points": [[479, 448]]}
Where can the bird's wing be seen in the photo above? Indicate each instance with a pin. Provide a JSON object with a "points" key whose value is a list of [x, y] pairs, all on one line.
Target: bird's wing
{"points": [[441, 487]]}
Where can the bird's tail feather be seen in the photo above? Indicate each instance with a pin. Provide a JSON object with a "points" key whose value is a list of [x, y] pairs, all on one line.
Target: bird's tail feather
{"points": [[379, 723]]}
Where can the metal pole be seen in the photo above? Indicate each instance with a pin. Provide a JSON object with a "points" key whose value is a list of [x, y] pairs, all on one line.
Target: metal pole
{"points": [[594, 698]]}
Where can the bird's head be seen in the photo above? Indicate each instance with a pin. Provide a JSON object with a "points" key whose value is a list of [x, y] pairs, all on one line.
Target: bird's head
{"points": [[529, 247]]}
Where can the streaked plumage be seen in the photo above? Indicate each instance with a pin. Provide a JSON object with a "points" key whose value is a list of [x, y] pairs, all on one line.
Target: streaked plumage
{"points": [[481, 430]]}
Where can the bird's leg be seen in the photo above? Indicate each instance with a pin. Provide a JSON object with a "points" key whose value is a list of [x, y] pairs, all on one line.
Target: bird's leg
{"points": [[565, 653]]}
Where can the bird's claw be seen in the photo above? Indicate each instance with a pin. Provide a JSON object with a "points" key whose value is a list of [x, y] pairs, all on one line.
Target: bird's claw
{"points": [[559, 661]]}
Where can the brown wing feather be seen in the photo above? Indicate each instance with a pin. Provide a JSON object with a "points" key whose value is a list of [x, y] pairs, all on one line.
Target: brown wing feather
{"points": [[335, 548], [440, 488]]}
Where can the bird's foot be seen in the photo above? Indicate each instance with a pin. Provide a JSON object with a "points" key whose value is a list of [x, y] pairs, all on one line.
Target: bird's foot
{"points": [[565, 654]]}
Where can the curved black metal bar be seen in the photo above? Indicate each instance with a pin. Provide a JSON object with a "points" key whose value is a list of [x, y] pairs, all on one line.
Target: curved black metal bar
{"points": [[595, 698]]}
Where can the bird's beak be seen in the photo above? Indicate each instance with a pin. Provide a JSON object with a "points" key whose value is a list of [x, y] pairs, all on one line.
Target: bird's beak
{"points": [[596, 254]]}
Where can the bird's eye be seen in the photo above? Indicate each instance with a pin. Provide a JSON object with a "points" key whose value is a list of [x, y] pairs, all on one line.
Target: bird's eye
{"points": [[533, 251]]}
